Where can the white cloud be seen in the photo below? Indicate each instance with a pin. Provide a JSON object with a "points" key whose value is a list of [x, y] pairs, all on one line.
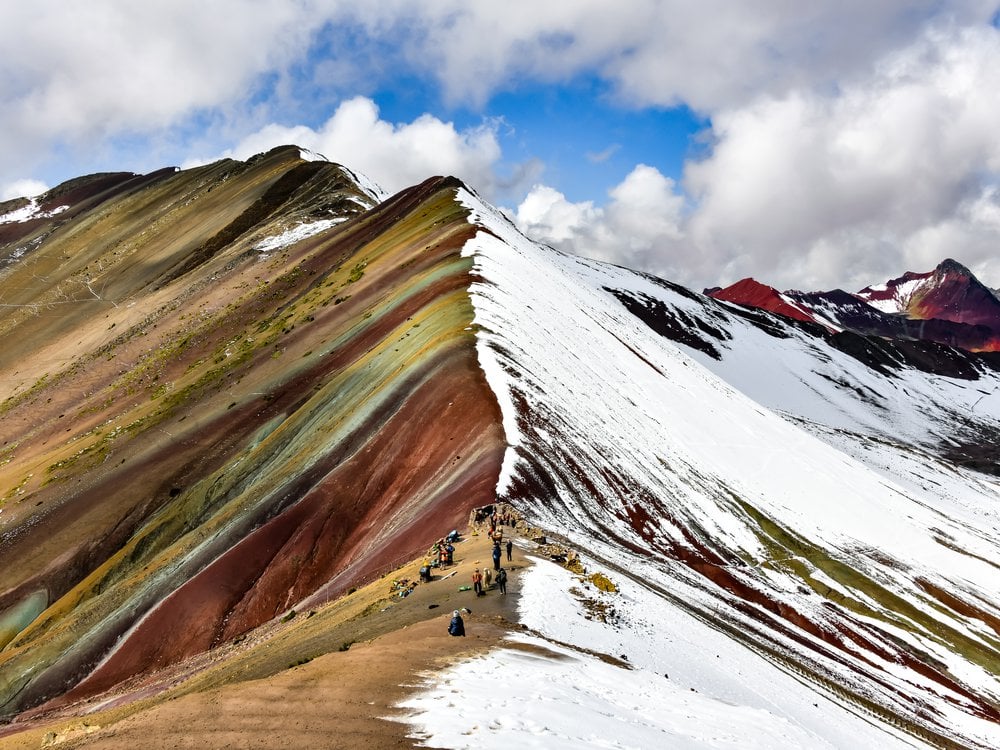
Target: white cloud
{"points": [[78, 72], [22, 189], [874, 177], [709, 54], [639, 227], [394, 155], [818, 188], [838, 140]]}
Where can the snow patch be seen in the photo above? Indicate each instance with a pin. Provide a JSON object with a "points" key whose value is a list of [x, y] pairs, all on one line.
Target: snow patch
{"points": [[29, 213], [295, 234]]}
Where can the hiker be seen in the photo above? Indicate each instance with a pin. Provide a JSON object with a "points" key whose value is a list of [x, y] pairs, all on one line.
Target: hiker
{"points": [[502, 580], [487, 579], [477, 582], [510, 548], [450, 550], [496, 557], [457, 625], [425, 572]]}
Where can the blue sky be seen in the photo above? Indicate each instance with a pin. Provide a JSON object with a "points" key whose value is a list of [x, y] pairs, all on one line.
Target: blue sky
{"points": [[809, 145]]}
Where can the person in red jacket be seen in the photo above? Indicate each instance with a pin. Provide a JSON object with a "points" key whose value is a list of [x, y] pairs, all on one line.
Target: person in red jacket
{"points": [[477, 582]]}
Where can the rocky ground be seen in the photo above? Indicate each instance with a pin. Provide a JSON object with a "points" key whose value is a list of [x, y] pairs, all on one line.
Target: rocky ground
{"points": [[328, 678]]}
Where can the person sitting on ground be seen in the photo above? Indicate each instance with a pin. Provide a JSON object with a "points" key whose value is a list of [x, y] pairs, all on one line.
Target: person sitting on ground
{"points": [[457, 624], [425, 572]]}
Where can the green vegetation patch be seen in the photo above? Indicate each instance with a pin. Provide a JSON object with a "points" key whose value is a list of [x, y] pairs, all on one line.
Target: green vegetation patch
{"points": [[794, 554]]}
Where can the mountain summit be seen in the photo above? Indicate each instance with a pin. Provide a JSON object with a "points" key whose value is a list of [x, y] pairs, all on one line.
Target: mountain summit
{"points": [[237, 396], [948, 305], [949, 292]]}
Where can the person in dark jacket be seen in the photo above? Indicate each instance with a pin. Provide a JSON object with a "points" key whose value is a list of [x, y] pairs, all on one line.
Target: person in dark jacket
{"points": [[510, 548], [502, 580], [496, 557], [457, 624]]}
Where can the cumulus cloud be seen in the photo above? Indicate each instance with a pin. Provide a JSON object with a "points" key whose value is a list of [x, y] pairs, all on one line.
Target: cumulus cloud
{"points": [[836, 140], [22, 189], [709, 54], [78, 72], [879, 174], [394, 155], [640, 226], [894, 170]]}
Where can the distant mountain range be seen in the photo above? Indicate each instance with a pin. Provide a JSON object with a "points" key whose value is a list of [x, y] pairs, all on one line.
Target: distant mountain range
{"points": [[948, 305], [242, 391]]}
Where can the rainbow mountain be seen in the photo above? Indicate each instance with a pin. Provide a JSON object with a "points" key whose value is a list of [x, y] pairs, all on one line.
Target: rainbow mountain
{"points": [[250, 387]]}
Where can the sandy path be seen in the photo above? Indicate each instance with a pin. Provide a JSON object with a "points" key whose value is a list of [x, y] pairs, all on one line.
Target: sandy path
{"points": [[337, 700], [334, 701]]}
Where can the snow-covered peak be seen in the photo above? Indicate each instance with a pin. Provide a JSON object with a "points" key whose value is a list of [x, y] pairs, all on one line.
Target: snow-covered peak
{"points": [[363, 181]]}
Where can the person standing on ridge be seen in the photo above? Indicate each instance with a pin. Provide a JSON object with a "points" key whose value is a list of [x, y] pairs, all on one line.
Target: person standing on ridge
{"points": [[510, 548], [457, 624], [477, 582], [496, 557], [502, 580]]}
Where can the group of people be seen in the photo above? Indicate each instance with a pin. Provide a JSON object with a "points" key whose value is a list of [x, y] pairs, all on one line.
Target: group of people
{"points": [[482, 580], [441, 554], [443, 549]]}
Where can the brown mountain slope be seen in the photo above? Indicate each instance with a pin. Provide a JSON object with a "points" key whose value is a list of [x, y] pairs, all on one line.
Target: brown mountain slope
{"points": [[202, 430]]}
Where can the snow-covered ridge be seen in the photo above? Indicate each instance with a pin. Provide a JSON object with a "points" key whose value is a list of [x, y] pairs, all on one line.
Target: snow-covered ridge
{"points": [[363, 181], [747, 496]]}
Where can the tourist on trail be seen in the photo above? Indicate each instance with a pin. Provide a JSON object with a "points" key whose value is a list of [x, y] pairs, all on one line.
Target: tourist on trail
{"points": [[450, 549], [457, 625], [502, 580], [496, 557], [477, 582], [510, 548]]}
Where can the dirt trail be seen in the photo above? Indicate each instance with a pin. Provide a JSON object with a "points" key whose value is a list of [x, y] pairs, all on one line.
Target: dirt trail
{"points": [[255, 698]]}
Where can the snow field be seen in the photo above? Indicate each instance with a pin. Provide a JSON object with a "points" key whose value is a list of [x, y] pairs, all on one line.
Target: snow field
{"points": [[533, 692], [615, 393]]}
